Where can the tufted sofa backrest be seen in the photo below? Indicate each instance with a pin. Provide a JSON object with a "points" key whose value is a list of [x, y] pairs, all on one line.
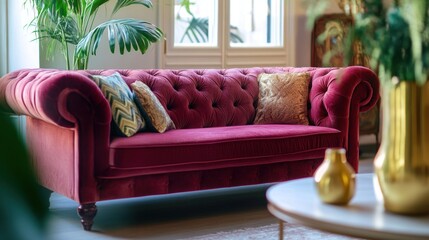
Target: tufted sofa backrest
{"points": [[197, 98]]}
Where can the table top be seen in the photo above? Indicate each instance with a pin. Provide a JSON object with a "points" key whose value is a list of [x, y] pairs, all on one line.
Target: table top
{"points": [[363, 217]]}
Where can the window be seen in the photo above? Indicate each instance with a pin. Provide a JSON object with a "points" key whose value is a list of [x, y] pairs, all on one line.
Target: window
{"points": [[195, 24], [225, 33], [257, 23]]}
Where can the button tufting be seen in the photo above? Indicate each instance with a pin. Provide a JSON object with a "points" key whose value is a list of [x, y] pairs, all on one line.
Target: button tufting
{"points": [[169, 107], [191, 105], [170, 104], [124, 73], [222, 87], [214, 104], [176, 87], [255, 103], [152, 72]]}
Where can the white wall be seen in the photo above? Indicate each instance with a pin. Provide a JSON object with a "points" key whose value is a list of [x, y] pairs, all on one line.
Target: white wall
{"points": [[18, 46], [22, 50], [303, 34], [3, 37]]}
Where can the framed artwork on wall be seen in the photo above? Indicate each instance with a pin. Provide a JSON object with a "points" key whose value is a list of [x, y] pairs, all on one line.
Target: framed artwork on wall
{"points": [[326, 41], [328, 34]]}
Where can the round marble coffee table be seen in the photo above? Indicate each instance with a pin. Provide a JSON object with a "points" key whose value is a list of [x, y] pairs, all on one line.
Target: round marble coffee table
{"points": [[363, 217]]}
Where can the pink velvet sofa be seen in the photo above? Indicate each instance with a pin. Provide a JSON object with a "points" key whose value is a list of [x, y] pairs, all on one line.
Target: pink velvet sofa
{"points": [[215, 145]]}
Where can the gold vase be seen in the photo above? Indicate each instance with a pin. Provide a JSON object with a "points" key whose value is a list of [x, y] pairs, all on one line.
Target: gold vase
{"points": [[335, 178], [402, 161]]}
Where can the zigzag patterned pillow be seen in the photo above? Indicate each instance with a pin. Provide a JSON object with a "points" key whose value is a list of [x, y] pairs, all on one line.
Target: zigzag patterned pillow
{"points": [[124, 110]]}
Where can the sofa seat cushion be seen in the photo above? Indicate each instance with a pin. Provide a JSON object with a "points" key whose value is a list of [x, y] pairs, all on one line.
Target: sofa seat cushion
{"points": [[220, 147]]}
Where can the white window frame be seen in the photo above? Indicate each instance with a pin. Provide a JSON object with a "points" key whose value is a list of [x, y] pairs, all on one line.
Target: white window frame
{"points": [[223, 55]]}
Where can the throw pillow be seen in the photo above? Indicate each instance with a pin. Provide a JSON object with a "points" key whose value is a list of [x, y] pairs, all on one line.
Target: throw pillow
{"points": [[124, 110], [151, 108], [282, 98]]}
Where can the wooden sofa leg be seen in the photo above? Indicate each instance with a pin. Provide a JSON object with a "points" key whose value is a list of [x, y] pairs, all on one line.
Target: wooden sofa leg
{"points": [[87, 213]]}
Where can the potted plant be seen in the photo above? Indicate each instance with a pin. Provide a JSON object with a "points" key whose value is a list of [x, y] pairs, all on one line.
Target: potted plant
{"points": [[395, 37], [70, 23]]}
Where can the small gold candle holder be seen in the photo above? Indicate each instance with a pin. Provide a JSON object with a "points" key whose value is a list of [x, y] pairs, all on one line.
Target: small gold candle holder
{"points": [[335, 178]]}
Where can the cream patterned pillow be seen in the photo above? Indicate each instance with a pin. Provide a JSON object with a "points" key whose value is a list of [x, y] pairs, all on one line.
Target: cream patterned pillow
{"points": [[124, 110], [283, 98], [152, 108]]}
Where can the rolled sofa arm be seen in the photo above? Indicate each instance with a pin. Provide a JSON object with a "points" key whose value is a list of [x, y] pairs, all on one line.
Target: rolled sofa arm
{"points": [[45, 94], [68, 127], [337, 96]]}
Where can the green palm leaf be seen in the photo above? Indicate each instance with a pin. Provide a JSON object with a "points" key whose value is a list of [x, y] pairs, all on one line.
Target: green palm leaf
{"points": [[234, 35], [76, 6], [94, 5], [124, 3], [65, 29], [55, 9], [125, 32], [69, 22], [187, 4], [197, 30]]}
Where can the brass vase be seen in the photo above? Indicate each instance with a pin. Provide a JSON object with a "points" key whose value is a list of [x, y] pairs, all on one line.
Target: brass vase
{"points": [[335, 178], [402, 162]]}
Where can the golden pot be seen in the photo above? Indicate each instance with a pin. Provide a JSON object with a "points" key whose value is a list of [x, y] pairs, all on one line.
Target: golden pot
{"points": [[335, 178], [402, 161]]}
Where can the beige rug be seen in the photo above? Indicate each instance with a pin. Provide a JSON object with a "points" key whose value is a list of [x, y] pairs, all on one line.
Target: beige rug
{"points": [[271, 232]]}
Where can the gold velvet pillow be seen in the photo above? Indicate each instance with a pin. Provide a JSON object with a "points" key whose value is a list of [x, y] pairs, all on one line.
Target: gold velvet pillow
{"points": [[151, 108], [282, 98]]}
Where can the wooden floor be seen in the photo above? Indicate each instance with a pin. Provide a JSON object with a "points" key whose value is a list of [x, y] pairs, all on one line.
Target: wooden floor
{"points": [[176, 216]]}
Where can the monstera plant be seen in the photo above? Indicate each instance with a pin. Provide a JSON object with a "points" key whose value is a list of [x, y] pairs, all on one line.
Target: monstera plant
{"points": [[70, 24]]}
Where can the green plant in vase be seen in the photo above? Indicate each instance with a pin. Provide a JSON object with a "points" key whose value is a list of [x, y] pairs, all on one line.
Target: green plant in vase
{"points": [[395, 37], [70, 24]]}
